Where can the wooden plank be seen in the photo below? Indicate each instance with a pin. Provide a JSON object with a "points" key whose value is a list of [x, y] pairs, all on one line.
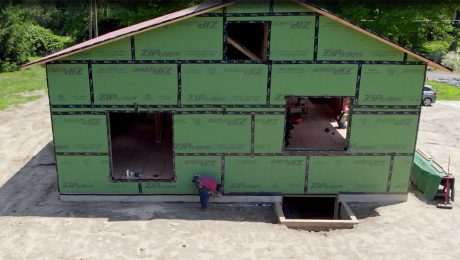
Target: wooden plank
{"points": [[265, 43], [373, 35], [242, 49]]}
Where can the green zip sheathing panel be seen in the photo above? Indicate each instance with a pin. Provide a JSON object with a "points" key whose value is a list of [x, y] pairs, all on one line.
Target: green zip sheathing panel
{"points": [[333, 174], [391, 84], [197, 38], [291, 37], [383, 133], [208, 133], [280, 6], [186, 167], [411, 58], [312, 80], [89, 175], [400, 173], [68, 84], [339, 42], [128, 84], [264, 174], [268, 133], [117, 50], [80, 133], [230, 84], [249, 6]]}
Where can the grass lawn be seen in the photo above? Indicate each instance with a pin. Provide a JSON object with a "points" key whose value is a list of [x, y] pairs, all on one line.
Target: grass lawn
{"points": [[22, 86], [445, 91]]}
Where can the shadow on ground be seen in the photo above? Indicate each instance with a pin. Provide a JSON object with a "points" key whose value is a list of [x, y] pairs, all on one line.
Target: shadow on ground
{"points": [[33, 191]]}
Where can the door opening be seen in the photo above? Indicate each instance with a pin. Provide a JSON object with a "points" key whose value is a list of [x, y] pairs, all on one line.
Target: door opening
{"points": [[142, 146]]}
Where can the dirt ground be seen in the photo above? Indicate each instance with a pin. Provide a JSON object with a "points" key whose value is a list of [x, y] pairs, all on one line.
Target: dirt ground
{"points": [[35, 224]]}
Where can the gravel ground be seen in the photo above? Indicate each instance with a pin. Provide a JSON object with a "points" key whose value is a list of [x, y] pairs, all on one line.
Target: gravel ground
{"points": [[35, 224]]}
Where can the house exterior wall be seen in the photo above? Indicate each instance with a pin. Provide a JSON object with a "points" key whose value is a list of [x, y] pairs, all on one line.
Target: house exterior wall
{"points": [[229, 116]]}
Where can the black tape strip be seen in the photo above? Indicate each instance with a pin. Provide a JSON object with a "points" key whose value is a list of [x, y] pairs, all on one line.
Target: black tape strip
{"points": [[358, 83], [271, 7], [166, 106], [81, 154], [390, 172], [133, 49], [253, 129], [386, 107], [269, 83], [307, 166], [315, 49], [179, 84], [224, 35], [269, 37], [222, 173], [405, 57], [91, 88], [386, 113]]}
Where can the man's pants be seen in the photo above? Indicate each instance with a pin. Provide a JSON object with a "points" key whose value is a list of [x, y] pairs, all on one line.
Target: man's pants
{"points": [[204, 197]]}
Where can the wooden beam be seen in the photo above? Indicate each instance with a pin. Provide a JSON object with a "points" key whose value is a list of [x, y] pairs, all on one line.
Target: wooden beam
{"points": [[373, 35], [243, 49], [265, 43]]}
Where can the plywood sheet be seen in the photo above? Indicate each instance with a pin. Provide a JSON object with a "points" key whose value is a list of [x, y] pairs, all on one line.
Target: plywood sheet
{"points": [[129, 84], [89, 175], [288, 6], [185, 168], [312, 80], [197, 38], [391, 85], [80, 133], [117, 50], [219, 84], [339, 42], [68, 84], [269, 133], [264, 174], [211, 133], [249, 6], [383, 133], [401, 171], [334, 174]]}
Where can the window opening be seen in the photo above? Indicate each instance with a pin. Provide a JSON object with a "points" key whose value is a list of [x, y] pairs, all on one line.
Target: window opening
{"points": [[247, 41], [316, 123]]}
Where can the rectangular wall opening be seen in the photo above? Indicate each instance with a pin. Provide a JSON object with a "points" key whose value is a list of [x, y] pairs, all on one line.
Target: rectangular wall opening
{"points": [[247, 41], [142, 146], [316, 123]]}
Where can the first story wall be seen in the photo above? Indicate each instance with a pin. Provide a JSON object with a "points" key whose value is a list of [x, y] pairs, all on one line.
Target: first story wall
{"points": [[245, 152]]}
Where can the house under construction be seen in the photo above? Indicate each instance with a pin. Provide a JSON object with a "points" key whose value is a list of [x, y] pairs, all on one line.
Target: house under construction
{"points": [[269, 97]]}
